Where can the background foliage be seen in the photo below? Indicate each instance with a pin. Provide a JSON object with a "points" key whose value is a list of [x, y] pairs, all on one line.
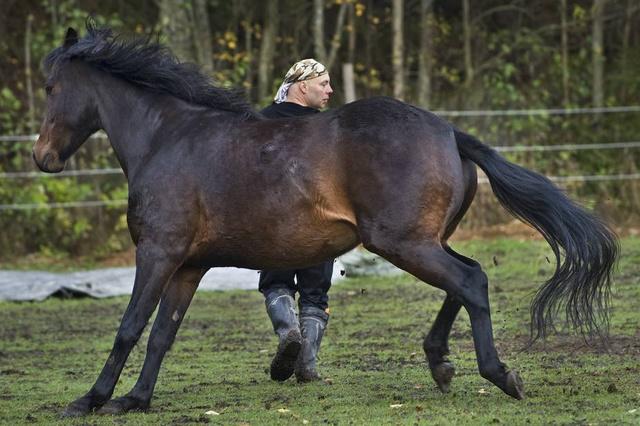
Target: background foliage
{"points": [[507, 54]]}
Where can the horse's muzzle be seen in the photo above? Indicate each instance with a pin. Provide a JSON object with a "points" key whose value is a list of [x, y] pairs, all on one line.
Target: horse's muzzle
{"points": [[49, 162]]}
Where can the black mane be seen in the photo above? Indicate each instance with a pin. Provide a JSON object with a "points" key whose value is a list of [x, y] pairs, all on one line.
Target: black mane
{"points": [[149, 64]]}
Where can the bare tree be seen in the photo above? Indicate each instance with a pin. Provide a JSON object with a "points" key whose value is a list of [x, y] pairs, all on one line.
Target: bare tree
{"points": [[348, 80], [425, 61], [626, 34], [466, 29], [202, 35], [327, 58], [28, 76], [565, 52], [175, 23], [598, 52], [267, 48], [397, 48], [318, 31]]}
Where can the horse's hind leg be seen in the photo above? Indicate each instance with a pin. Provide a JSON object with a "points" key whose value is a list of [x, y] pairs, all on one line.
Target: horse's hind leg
{"points": [[436, 346], [436, 343], [155, 266], [173, 307], [467, 285]]}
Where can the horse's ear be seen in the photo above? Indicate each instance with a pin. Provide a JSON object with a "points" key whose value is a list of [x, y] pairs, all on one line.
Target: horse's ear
{"points": [[70, 38]]}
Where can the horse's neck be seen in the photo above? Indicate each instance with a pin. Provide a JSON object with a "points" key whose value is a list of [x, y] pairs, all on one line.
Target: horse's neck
{"points": [[130, 117]]}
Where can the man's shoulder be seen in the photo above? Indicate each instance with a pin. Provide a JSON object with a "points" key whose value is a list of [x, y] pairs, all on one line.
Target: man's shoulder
{"points": [[287, 109]]}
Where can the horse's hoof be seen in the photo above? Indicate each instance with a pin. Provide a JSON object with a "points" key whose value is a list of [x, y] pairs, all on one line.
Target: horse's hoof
{"points": [[442, 374], [79, 407], [122, 405], [515, 386]]}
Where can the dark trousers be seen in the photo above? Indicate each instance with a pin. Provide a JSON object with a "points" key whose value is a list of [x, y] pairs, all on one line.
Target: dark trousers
{"points": [[313, 283]]}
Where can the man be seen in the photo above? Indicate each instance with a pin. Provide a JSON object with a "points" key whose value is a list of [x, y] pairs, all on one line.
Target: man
{"points": [[305, 90]]}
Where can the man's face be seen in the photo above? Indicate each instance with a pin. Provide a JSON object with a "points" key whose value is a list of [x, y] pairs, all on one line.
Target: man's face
{"points": [[318, 91]]}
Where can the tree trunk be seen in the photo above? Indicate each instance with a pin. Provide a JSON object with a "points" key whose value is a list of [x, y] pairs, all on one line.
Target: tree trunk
{"points": [[368, 46], [248, 47], [466, 29], [626, 35], [425, 62], [397, 49], [176, 27], [202, 35], [336, 40], [318, 31], [54, 17], [348, 79], [31, 121], [267, 50], [327, 59], [565, 53], [598, 52]]}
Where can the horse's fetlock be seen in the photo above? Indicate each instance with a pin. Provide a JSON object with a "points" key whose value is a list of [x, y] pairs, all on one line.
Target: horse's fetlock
{"points": [[435, 347], [493, 373]]}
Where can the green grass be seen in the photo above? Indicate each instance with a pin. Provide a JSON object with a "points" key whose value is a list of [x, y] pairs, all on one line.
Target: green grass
{"points": [[51, 352]]}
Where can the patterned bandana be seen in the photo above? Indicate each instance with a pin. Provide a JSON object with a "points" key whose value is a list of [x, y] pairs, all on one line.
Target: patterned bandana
{"points": [[305, 69]]}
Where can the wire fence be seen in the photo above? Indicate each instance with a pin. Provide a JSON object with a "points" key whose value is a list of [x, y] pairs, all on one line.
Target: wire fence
{"points": [[444, 113]]}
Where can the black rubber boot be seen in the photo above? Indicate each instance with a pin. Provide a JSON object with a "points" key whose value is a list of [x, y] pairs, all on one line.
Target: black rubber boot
{"points": [[313, 322], [281, 310]]}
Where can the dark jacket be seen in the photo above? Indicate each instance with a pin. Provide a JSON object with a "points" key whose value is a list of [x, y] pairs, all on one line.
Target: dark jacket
{"points": [[287, 109]]}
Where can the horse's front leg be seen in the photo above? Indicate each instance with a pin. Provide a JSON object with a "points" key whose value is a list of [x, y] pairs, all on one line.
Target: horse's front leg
{"points": [[154, 267], [173, 307]]}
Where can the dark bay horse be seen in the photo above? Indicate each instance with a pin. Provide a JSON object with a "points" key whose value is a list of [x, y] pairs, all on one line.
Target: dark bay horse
{"points": [[210, 181]]}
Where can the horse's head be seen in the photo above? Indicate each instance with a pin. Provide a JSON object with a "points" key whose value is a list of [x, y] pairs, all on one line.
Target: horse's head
{"points": [[71, 114]]}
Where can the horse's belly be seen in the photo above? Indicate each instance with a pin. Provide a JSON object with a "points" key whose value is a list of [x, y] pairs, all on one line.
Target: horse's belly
{"points": [[298, 246]]}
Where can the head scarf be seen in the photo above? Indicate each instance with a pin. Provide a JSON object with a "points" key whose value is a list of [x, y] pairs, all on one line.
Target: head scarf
{"points": [[305, 69]]}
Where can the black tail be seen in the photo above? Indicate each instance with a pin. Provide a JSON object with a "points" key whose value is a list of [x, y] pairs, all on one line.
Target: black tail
{"points": [[586, 249]]}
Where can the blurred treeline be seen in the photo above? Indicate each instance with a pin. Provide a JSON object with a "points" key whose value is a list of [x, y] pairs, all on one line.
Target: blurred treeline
{"points": [[438, 54]]}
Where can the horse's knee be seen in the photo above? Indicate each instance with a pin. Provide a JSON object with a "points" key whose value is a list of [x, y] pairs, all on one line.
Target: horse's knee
{"points": [[126, 339], [158, 344]]}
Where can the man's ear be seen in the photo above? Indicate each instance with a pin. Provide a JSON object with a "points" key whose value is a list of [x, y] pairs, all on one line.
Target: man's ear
{"points": [[303, 87], [70, 38]]}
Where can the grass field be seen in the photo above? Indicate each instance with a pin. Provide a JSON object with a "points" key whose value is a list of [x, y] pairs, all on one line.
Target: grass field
{"points": [[51, 352]]}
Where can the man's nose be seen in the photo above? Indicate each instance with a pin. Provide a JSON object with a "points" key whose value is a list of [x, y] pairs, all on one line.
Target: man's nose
{"points": [[329, 90]]}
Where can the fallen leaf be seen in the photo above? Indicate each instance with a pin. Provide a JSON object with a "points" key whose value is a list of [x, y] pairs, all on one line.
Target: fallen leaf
{"points": [[632, 411], [305, 422], [483, 391], [395, 405], [418, 387], [263, 351], [283, 410], [212, 413]]}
